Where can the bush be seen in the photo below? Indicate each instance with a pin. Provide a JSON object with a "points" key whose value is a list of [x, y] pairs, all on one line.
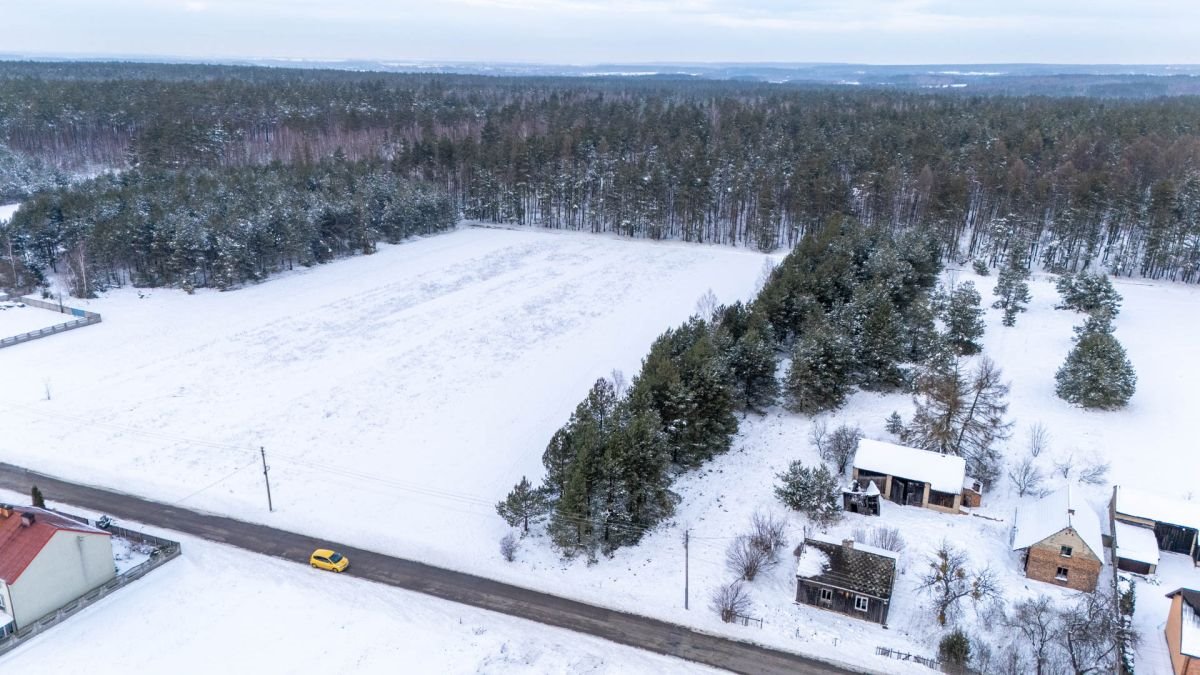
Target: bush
{"points": [[745, 559], [980, 267], [508, 547], [955, 649], [767, 533], [730, 601]]}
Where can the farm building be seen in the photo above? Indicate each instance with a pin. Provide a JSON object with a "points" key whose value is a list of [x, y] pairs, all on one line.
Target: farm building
{"points": [[1174, 522], [1183, 631], [846, 577], [46, 561], [911, 477], [1135, 548], [1061, 540]]}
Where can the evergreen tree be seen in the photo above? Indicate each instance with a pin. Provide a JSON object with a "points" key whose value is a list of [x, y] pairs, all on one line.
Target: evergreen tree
{"points": [[1088, 293], [964, 319], [750, 364], [1097, 373], [36, 498], [879, 340], [1012, 291], [895, 424], [819, 376], [812, 491], [524, 504]]}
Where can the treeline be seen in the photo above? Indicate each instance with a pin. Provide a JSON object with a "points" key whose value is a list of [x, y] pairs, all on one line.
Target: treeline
{"points": [[217, 227], [1088, 182], [610, 468]]}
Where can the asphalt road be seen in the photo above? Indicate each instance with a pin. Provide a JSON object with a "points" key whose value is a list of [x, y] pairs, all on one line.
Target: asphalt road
{"points": [[628, 629]]}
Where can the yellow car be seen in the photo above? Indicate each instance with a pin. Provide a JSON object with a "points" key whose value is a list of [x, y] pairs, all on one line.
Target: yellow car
{"points": [[325, 559]]}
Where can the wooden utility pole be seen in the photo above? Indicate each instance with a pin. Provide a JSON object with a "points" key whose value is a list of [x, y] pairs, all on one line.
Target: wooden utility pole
{"points": [[267, 477]]}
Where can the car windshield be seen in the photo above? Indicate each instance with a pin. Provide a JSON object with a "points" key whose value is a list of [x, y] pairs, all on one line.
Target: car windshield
{"points": [[336, 557]]}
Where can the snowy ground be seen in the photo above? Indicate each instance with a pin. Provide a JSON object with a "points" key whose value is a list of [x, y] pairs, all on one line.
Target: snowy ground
{"points": [[15, 320], [232, 611], [400, 395], [7, 210]]}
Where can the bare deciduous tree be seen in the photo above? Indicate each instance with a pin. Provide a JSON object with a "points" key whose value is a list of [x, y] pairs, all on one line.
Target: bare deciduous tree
{"points": [[745, 559], [1091, 632], [1064, 465], [1039, 439], [1037, 622], [838, 446], [767, 532], [1094, 472], [1026, 478], [949, 579], [707, 305], [730, 601], [887, 538]]}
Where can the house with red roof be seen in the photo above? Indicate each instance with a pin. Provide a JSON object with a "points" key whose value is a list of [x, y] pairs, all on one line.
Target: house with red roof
{"points": [[46, 561]]}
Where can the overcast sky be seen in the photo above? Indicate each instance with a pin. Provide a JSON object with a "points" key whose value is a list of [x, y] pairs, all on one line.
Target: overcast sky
{"points": [[616, 31]]}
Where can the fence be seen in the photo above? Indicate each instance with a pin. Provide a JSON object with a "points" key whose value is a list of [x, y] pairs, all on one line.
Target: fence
{"points": [[747, 620], [164, 550], [84, 318]]}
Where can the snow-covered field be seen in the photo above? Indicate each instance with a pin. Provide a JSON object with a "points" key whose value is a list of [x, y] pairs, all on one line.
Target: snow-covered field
{"points": [[400, 395], [15, 320], [220, 609]]}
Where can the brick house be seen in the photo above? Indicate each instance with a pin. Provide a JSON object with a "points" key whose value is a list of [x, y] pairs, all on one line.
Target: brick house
{"points": [[46, 561], [910, 476], [1183, 631], [846, 577], [1059, 536]]}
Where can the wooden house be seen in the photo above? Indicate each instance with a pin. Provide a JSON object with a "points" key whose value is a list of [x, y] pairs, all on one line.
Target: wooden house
{"points": [[1174, 522], [846, 577], [911, 477], [1183, 631], [1060, 538]]}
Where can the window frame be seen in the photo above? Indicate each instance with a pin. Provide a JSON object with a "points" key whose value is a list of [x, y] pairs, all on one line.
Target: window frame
{"points": [[825, 597], [1066, 551], [1062, 573], [864, 601]]}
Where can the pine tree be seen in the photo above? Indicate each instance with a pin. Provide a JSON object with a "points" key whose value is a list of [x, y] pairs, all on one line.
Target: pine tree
{"points": [[750, 363], [819, 376], [812, 491], [895, 424], [1088, 293], [1012, 291], [1097, 373], [523, 504], [964, 319], [35, 496], [879, 344]]}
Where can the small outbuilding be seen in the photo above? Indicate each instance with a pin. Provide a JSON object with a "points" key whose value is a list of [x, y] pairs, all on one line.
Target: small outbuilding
{"points": [[1183, 631], [911, 477], [846, 577], [1059, 535], [1136, 549], [859, 499], [1175, 522], [46, 561]]}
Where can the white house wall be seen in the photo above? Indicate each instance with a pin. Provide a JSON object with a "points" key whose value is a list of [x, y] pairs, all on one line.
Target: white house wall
{"points": [[71, 564]]}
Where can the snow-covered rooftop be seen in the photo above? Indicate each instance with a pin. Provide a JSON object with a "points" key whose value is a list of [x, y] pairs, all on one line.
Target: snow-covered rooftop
{"points": [[1136, 543], [812, 562], [1056, 512], [1158, 508], [944, 473], [858, 546]]}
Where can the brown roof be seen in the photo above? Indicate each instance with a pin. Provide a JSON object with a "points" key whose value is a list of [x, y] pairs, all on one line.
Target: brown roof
{"points": [[20, 544], [856, 568]]}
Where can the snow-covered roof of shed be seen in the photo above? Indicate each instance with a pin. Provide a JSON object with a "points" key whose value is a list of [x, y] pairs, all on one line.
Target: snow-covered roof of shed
{"points": [[1054, 513], [1136, 543], [1158, 508], [944, 473]]}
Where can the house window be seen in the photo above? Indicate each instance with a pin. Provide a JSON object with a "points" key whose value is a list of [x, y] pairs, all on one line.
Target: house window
{"points": [[1061, 574], [1065, 551], [825, 597], [861, 604]]}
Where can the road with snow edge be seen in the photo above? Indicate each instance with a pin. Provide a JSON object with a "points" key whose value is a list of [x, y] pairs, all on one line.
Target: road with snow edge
{"points": [[622, 627]]}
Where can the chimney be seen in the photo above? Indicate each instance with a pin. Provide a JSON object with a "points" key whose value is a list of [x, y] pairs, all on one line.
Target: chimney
{"points": [[26, 520], [848, 543]]}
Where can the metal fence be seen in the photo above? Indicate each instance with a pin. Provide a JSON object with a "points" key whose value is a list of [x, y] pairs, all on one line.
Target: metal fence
{"points": [[83, 318], [164, 550]]}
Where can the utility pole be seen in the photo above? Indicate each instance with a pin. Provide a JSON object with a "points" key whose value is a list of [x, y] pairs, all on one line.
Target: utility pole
{"points": [[686, 537], [267, 477]]}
